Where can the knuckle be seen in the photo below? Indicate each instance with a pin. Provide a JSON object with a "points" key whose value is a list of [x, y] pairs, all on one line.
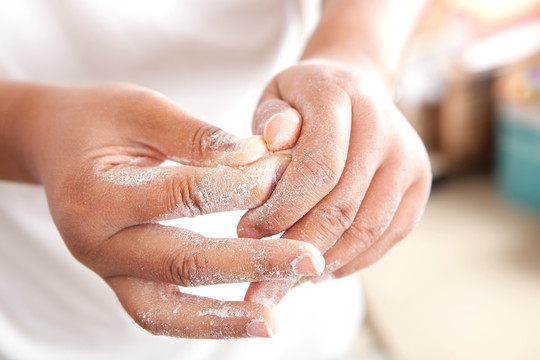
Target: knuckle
{"points": [[324, 170], [337, 217], [208, 138], [366, 235], [145, 102], [183, 197], [147, 108], [185, 270]]}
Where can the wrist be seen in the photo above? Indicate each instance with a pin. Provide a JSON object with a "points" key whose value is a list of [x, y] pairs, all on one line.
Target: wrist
{"points": [[370, 35], [367, 58]]}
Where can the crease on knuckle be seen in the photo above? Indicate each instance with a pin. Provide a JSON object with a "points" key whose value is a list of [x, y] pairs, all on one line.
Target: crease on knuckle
{"points": [[366, 235], [186, 270], [184, 198], [208, 138], [322, 171], [337, 217]]}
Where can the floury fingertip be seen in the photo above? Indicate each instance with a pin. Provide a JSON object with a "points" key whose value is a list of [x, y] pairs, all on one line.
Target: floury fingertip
{"points": [[282, 130], [249, 233], [309, 265], [249, 150], [259, 328]]}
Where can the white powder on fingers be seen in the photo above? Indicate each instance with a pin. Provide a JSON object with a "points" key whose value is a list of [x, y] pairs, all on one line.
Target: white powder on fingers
{"points": [[130, 176], [223, 312]]}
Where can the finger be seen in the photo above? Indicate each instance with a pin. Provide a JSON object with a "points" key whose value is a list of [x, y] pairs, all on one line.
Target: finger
{"points": [[270, 293], [405, 220], [329, 219], [141, 194], [174, 134], [278, 122], [373, 218], [347, 255], [318, 161], [163, 310], [178, 256], [323, 225]]}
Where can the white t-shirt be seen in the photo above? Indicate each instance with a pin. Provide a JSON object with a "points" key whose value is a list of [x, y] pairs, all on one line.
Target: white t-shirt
{"points": [[197, 53]]}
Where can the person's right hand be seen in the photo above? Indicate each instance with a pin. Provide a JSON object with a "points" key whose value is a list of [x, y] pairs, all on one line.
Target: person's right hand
{"points": [[97, 150]]}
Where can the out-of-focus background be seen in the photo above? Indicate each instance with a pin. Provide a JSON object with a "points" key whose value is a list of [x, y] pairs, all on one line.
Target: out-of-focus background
{"points": [[467, 283]]}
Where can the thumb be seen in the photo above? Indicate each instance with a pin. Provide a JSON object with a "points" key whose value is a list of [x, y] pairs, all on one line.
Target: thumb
{"points": [[205, 145], [178, 136], [278, 122]]}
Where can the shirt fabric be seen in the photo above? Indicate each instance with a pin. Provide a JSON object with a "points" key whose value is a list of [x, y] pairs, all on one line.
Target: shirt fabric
{"points": [[211, 57]]}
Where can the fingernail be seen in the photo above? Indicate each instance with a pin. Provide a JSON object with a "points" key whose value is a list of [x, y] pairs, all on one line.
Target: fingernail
{"points": [[259, 328], [281, 131], [250, 149], [308, 265]]}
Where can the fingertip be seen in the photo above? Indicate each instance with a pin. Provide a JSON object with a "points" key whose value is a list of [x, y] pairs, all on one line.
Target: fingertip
{"points": [[269, 293], [264, 175], [249, 233], [263, 323], [282, 130], [254, 226], [246, 151], [259, 328], [311, 263]]}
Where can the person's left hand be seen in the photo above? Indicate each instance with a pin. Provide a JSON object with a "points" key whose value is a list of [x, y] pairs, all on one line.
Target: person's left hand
{"points": [[359, 177]]}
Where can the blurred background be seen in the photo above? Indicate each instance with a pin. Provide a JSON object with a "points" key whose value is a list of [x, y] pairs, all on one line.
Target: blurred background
{"points": [[467, 283]]}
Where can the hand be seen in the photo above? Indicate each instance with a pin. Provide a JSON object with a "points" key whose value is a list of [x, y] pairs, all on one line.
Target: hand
{"points": [[97, 151], [359, 177]]}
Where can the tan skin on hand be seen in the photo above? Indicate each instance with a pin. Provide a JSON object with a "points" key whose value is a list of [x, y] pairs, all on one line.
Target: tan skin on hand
{"points": [[357, 183], [359, 177], [97, 149]]}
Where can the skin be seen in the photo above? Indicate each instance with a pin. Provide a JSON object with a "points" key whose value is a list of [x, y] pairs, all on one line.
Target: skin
{"points": [[357, 182], [97, 149], [360, 175]]}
